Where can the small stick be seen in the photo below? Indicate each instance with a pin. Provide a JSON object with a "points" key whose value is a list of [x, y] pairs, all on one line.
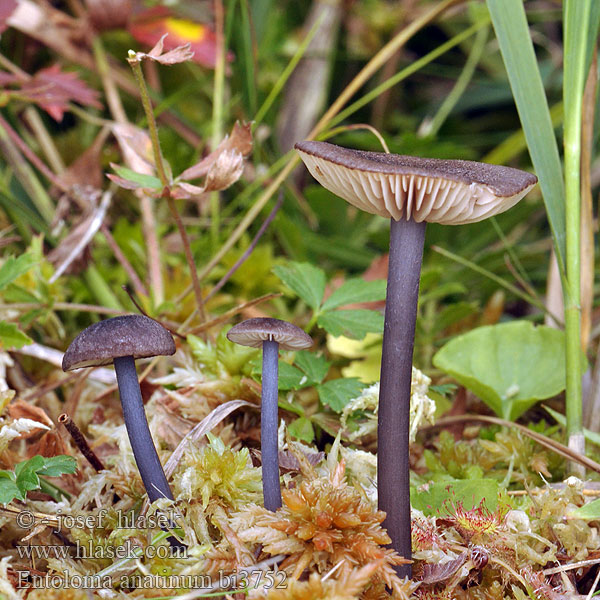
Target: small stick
{"points": [[80, 441]]}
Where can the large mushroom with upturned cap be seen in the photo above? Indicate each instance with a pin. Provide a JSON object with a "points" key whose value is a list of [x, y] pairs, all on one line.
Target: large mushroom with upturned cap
{"points": [[269, 334], [122, 340], [410, 191]]}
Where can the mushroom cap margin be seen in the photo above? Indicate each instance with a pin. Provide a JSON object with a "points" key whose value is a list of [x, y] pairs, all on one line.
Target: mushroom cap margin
{"points": [[253, 332], [452, 192], [129, 335]]}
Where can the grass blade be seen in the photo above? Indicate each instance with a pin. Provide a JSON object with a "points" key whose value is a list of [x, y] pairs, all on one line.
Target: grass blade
{"points": [[510, 24]]}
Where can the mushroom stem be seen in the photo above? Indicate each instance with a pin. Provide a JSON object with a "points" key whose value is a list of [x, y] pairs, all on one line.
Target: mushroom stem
{"points": [[393, 471], [269, 422], [138, 431]]}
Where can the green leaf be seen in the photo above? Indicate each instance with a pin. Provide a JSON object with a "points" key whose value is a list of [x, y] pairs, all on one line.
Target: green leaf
{"points": [[14, 267], [509, 366], [12, 337], [356, 290], [58, 465], [290, 378], [9, 490], [442, 496], [590, 511], [302, 429], [351, 323], [145, 181], [306, 280], [512, 31], [26, 474], [315, 367], [338, 392]]}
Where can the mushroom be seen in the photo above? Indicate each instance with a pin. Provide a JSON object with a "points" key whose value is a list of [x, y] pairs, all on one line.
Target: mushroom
{"points": [[270, 334], [122, 340], [410, 191]]}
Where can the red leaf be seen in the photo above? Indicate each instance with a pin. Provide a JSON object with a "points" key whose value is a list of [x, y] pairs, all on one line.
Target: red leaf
{"points": [[53, 89], [151, 25]]}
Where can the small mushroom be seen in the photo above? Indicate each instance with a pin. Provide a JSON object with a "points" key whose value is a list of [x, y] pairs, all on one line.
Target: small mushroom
{"points": [[410, 191], [122, 340], [269, 334]]}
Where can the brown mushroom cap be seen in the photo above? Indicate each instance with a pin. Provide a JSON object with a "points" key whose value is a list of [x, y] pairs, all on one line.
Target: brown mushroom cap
{"points": [[253, 332], [452, 192], [129, 335]]}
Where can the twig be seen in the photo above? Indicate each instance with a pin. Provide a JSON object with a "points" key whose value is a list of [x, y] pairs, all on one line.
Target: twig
{"points": [[133, 276], [80, 441], [62, 306], [188, 253], [230, 313], [249, 250], [143, 312], [85, 239], [571, 565], [538, 437]]}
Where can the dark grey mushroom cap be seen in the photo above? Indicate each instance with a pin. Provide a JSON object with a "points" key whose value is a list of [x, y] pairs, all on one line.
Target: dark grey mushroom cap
{"points": [[253, 332], [452, 192], [130, 335]]}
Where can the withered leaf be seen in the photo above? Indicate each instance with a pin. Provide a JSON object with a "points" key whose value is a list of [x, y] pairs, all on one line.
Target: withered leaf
{"points": [[434, 573], [24, 410], [240, 140], [53, 89], [136, 147], [178, 54], [148, 27]]}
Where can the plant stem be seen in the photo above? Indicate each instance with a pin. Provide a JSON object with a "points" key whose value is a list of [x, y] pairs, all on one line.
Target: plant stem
{"points": [[188, 253], [269, 422], [160, 169], [136, 67], [393, 471], [217, 116], [144, 451], [576, 24]]}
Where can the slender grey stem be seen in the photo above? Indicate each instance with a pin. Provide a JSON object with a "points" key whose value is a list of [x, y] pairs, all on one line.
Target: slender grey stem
{"points": [[393, 471], [268, 426], [142, 444]]}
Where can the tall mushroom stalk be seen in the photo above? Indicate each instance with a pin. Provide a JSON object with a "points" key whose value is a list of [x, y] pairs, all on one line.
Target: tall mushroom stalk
{"points": [[121, 340], [269, 334], [411, 191]]}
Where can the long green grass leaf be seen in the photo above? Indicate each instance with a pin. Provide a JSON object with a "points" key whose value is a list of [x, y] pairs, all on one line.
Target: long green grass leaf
{"points": [[579, 39], [510, 24]]}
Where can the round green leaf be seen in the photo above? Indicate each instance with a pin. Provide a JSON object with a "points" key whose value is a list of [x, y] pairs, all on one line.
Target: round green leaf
{"points": [[510, 366]]}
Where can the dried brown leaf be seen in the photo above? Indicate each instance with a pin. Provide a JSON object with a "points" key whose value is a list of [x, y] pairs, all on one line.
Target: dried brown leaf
{"points": [[240, 141], [433, 573], [136, 147], [24, 410], [171, 57]]}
